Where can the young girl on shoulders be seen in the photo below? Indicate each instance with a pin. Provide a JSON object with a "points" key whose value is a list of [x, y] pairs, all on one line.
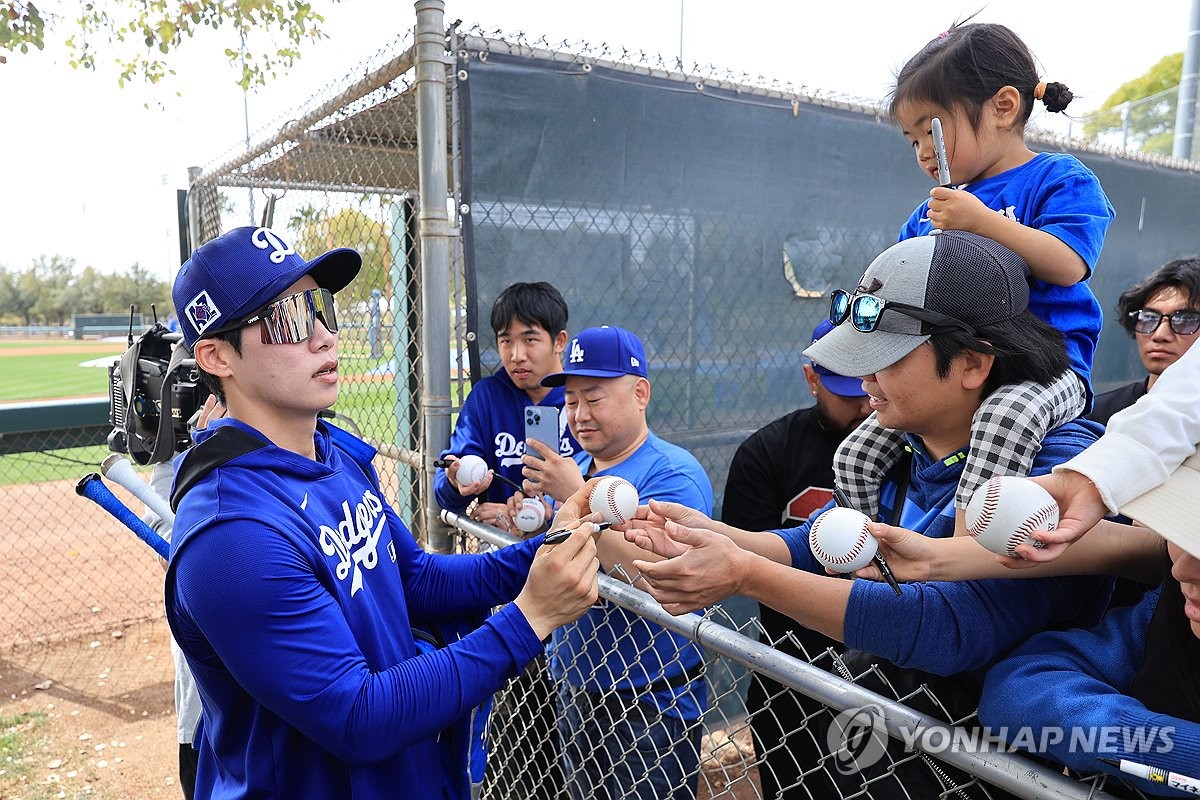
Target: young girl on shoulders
{"points": [[980, 81]]}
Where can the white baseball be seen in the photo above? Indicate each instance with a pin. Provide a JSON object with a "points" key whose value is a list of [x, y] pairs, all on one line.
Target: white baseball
{"points": [[615, 498], [531, 515], [471, 469], [840, 540], [1006, 510]]}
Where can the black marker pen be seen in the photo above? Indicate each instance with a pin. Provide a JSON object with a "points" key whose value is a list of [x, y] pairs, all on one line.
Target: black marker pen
{"points": [[562, 534]]}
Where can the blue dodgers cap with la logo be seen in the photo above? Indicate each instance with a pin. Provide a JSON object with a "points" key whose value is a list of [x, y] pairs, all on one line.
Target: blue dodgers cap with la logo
{"points": [[602, 352], [240, 272]]}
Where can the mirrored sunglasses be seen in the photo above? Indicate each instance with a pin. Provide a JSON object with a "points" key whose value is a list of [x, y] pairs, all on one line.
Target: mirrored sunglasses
{"points": [[1183, 323], [865, 310], [293, 319]]}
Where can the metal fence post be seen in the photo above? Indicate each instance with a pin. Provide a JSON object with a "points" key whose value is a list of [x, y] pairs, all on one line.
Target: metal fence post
{"points": [[434, 232], [1185, 110]]}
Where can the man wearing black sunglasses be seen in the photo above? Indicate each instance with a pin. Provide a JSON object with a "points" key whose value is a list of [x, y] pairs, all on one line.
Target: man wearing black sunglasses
{"points": [[1162, 315], [334, 657]]}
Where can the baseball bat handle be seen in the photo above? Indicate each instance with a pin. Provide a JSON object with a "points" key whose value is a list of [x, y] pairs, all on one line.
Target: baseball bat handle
{"points": [[92, 487], [118, 470]]}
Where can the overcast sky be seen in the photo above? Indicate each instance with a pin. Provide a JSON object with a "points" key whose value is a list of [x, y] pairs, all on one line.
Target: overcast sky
{"points": [[90, 171]]}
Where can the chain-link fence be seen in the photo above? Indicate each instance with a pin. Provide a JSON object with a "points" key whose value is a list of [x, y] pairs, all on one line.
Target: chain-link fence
{"points": [[708, 213], [1145, 125], [825, 723]]}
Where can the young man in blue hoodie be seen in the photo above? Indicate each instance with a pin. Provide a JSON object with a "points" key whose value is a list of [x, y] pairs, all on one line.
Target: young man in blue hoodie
{"points": [[530, 323], [935, 325], [295, 592]]}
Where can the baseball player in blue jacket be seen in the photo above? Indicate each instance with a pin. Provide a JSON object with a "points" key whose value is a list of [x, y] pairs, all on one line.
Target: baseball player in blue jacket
{"points": [[334, 657]]}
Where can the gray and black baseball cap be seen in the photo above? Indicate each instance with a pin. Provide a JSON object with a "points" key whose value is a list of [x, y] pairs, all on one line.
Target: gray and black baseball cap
{"points": [[961, 275]]}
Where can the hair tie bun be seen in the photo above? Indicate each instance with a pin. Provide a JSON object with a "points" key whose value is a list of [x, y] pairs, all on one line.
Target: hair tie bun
{"points": [[1039, 91]]}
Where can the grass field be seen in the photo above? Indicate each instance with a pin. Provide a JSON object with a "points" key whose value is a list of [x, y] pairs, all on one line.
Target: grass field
{"points": [[41, 370], [50, 369]]}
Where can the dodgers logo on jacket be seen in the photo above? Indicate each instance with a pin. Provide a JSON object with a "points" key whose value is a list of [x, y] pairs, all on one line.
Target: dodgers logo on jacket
{"points": [[355, 539]]}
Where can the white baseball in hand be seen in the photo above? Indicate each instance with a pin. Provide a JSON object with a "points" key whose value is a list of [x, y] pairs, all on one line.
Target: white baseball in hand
{"points": [[615, 499], [840, 540], [1006, 510], [531, 515], [471, 469]]}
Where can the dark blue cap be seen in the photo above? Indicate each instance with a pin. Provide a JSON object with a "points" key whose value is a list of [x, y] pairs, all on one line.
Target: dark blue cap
{"points": [[240, 272], [841, 385], [602, 352]]}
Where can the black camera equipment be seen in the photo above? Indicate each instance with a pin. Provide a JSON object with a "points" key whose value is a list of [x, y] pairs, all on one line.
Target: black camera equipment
{"points": [[154, 393]]}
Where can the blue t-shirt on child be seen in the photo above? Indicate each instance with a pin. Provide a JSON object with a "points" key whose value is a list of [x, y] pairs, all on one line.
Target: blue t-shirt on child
{"points": [[1055, 193]]}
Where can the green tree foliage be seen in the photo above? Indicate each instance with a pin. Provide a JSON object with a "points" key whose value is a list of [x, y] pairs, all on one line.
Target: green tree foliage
{"points": [[51, 290], [317, 232], [138, 34], [1151, 124]]}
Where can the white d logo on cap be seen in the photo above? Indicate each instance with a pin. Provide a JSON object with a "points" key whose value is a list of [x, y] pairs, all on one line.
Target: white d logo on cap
{"points": [[265, 237]]}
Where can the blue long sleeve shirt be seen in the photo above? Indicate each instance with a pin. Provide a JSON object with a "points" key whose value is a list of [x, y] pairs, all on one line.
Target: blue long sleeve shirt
{"points": [[293, 590], [946, 628], [1055, 193], [491, 425], [1080, 681], [611, 648]]}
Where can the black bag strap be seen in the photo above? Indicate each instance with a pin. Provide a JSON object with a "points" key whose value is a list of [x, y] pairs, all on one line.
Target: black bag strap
{"points": [[902, 481], [226, 444]]}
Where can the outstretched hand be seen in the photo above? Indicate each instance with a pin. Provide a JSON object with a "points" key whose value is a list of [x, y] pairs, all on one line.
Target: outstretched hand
{"points": [[705, 569], [1079, 509], [648, 531]]}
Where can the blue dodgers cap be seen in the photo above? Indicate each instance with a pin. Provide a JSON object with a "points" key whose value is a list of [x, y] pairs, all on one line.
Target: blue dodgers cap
{"points": [[602, 352], [240, 272], [841, 385]]}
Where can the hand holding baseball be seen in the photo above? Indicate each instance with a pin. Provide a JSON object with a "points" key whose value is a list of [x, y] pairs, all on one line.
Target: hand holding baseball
{"points": [[530, 514], [912, 556], [841, 540], [613, 498], [1080, 508], [470, 474], [1006, 511]]}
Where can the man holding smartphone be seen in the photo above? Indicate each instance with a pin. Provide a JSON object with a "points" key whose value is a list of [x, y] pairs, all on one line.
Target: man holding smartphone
{"points": [[530, 323]]}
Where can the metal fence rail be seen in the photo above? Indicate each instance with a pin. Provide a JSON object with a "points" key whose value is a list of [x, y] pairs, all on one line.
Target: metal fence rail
{"points": [[729, 762]]}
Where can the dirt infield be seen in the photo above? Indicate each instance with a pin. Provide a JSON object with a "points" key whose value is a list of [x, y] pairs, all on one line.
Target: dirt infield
{"points": [[78, 570], [65, 348], [109, 716]]}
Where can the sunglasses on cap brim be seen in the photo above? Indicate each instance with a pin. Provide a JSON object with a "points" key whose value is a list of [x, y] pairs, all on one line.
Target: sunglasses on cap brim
{"points": [[865, 310], [293, 319]]}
